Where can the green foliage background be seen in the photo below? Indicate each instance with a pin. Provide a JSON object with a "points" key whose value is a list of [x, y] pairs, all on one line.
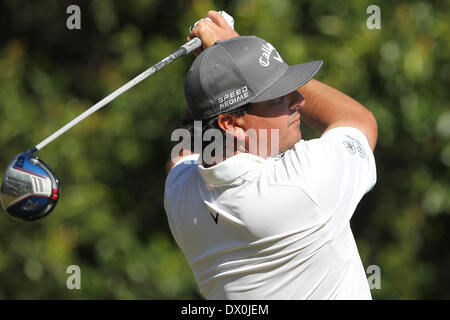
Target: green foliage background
{"points": [[110, 219]]}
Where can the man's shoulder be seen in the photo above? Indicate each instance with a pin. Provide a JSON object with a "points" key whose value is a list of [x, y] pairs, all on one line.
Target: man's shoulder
{"points": [[335, 142], [311, 161], [182, 168]]}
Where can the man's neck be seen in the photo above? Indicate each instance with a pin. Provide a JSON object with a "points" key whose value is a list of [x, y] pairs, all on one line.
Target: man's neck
{"points": [[207, 165]]}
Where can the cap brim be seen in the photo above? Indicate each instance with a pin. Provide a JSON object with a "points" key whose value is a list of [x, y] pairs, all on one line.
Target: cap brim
{"points": [[294, 77]]}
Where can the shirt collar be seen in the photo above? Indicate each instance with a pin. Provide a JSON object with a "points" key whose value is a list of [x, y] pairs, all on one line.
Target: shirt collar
{"points": [[227, 171]]}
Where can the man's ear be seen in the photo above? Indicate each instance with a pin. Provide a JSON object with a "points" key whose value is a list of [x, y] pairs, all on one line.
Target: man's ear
{"points": [[228, 123]]}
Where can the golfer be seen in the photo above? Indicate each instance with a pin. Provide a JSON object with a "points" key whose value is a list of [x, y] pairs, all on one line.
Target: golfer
{"points": [[271, 222]]}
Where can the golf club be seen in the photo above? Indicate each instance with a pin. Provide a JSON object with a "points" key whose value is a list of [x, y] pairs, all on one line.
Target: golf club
{"points": [[30, 190]]}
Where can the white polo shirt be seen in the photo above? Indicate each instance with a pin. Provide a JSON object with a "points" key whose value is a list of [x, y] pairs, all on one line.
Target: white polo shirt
{"points": [[277, 228]]}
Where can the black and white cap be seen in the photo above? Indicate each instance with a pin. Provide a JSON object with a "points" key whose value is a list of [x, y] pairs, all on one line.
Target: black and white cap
{"points": [[238, 71]]}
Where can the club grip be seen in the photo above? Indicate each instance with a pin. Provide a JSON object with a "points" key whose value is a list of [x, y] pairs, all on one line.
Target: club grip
{"points": [[192, 45]]}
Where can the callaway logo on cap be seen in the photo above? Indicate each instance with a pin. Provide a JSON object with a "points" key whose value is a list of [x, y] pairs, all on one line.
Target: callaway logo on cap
{"points": [[238, 71]]}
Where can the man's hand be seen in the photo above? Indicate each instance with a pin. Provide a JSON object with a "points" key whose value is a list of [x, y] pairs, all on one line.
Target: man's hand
{"points": [[211, 31]]}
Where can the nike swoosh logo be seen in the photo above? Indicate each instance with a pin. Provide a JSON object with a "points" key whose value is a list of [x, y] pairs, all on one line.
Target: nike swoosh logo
{"points": [[215, 218]]}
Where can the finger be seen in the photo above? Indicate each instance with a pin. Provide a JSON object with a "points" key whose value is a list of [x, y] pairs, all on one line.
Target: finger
{"points": [[202, 29], [218, 19], [197, 52]]}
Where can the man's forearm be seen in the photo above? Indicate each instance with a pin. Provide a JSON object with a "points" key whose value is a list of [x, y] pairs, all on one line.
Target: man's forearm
{"points": [[326, 108]]}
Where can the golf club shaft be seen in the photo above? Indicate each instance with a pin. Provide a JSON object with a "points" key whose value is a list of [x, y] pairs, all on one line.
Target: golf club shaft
{"points": [[184, 50]]}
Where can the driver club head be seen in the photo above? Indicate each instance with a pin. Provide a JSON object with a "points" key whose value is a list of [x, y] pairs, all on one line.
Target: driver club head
{"points": [[29, 190]]}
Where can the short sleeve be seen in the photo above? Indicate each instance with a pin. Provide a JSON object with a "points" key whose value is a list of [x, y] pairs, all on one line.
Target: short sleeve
{"points": [[181, 166], [339, 169]]}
